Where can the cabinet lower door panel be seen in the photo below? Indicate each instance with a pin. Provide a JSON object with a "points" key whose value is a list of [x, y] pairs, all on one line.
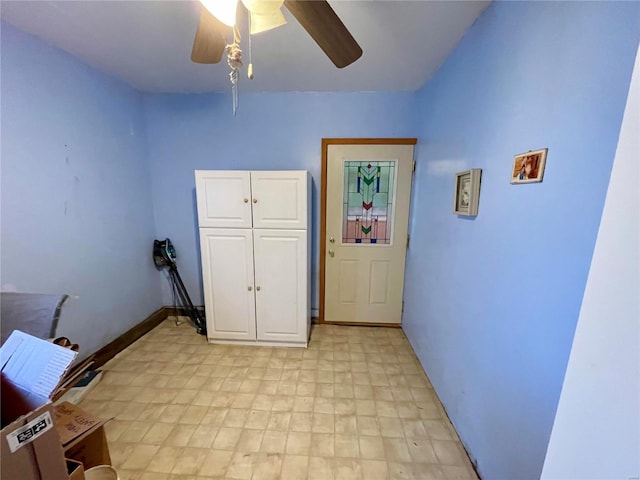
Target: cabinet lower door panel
{"points": [[228, 280], [280, 259]]}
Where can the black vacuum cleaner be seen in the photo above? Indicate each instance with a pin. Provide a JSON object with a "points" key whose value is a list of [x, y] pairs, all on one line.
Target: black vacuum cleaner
{"points": [[164, 256]]}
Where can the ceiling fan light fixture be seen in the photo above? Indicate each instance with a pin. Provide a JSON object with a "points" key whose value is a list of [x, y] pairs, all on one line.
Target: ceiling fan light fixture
{"points": [[264, 22], [223, 10]]}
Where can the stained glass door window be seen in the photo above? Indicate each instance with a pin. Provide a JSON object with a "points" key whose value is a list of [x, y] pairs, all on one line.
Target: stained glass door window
{"points": [[368, 202]]}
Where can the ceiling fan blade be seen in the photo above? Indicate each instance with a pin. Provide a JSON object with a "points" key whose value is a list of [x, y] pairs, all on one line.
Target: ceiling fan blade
{"points": [[210, 42], [325, 27]]}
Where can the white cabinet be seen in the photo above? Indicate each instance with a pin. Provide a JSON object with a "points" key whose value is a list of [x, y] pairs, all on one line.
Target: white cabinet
{"points": [[237, 199], [255, 249]]}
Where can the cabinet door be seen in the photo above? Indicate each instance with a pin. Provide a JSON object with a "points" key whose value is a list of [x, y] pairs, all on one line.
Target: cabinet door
{"points": [[228, 281], [279, 199], [223, 198], [280, 258]]}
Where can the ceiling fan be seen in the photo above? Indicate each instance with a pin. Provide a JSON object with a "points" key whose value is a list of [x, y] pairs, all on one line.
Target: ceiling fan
{"points": [[316, 17]]}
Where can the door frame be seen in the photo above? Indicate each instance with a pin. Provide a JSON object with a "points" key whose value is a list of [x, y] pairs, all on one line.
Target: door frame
{"points": [[323, 206]]}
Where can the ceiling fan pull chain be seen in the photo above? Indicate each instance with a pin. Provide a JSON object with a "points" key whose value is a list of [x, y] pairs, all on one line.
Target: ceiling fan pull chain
{"points": [[234, 60], [250, 69]]}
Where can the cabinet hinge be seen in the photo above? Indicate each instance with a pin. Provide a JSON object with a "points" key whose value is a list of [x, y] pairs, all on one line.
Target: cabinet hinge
{"points": [[408, 238], [413, 167], [402, 306]]}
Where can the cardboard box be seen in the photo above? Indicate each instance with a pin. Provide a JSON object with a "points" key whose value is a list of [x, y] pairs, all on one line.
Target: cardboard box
{"points": [[30, 371], [82, 435], [75, 470]]}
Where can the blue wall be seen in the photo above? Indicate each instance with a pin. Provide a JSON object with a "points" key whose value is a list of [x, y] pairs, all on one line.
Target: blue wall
{"points": [[76, 194], [270, 132], [492, 302]]}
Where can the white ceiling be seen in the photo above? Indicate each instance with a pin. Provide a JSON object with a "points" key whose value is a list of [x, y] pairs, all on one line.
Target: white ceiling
{"points": [[147, 44]]}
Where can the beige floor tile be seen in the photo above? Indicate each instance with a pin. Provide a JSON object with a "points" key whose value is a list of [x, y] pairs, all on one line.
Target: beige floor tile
{"points": [[374, 470], [354, 405], [279, 421], [298, 443], [186, 397], [134, 432], [172, 413], [180, 435], [396, 450], [320, 469], [267, 466], [140, 457], [154, 476], [303, 404], [114, 429], [243, 400], [391, 427], [368, 425], [371, 448], [227, 438], [346, 468], [273, 442], [158, 433], [189, 461], [324, 405], [451, 472], [241, 467], [257, 419], [421, 450], [193, 415], [129, 474], [164, 460], [215, 464], [346, 425], [448, 453], [120, 452], [322, 445], [346, 446], [301, 422], [236, 417], [203, 436], [250, 441], [295, 467], [323, 423]]}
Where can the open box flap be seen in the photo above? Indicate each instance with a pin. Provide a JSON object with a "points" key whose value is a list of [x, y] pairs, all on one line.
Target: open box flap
{"points": [[33, 364], [73, 423]]}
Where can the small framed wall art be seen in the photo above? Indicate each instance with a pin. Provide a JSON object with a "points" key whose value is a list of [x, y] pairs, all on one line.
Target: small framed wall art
{"points": [[529, 167], [467, 192]]}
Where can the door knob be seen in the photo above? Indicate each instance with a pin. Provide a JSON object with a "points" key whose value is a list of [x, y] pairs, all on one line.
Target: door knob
{"points": [[331, 253], [258, 288], [249, 288], [255, 200], [246, 200], [332, 240]]}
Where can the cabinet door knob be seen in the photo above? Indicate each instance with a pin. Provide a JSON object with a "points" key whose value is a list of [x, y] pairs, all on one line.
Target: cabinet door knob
{"points": [[331, 253], [255, 200], [258, 288], [249, 288], [246, 200]]}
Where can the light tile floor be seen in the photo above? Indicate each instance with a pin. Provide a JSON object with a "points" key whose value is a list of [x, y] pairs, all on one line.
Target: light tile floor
{"points": [[355, 404]]}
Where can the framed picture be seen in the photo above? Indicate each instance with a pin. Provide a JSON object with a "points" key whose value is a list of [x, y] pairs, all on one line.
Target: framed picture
{"points": [[529, 167], [467, 192]]}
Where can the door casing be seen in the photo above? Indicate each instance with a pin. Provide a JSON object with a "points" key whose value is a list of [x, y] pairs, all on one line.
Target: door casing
{"points": [[323, 209]]}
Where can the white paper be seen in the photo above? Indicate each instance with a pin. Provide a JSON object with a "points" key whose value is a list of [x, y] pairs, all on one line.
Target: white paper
{"points": [[34, 364]]}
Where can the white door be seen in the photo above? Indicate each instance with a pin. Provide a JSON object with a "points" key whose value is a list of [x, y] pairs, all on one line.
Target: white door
{"points": [[279, 199], [223, 199], [280, 258], [228, 281], [367, 213]]}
